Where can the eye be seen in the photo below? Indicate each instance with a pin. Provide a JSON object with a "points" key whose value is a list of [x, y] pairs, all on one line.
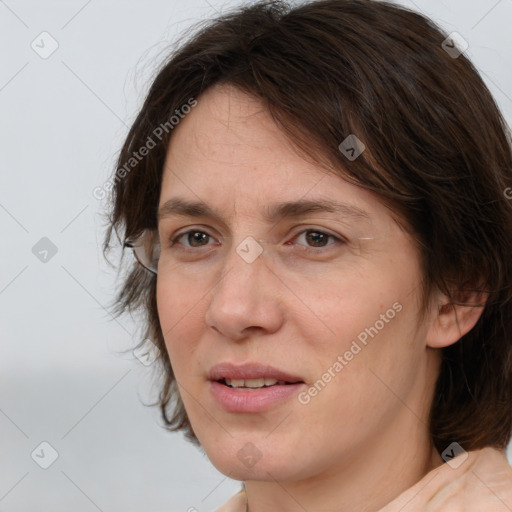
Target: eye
{"points": [[318, 239], [193, 237]]}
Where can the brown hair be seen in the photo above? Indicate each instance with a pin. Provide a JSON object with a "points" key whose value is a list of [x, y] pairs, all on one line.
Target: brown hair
{"points": [[438, 151]]}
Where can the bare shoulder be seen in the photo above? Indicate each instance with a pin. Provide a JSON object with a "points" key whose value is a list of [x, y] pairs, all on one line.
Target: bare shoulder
{"points": [[235, 504]]}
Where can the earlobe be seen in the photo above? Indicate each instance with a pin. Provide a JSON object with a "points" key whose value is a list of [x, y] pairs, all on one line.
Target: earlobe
{"points": [[450, 321]]}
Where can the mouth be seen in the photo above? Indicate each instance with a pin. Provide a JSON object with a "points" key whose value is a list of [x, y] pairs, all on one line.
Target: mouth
{"points": [[251, 375], [252, 387], [251, 384]]}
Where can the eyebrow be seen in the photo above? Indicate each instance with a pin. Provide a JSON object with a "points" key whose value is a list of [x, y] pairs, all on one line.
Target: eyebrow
{"points": [[272, 213]]}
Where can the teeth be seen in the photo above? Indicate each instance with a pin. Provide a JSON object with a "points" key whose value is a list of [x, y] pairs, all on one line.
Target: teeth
{"points": [[252, 383]]}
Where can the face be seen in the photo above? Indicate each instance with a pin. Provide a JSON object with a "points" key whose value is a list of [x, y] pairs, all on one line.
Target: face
{"points": [[326, 299]]}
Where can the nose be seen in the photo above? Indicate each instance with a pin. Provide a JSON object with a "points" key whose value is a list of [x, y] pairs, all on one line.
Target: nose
{"points": [[246, 300]]}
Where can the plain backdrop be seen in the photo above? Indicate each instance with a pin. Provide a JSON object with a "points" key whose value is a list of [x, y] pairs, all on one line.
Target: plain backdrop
{"points": [[63, 380]]}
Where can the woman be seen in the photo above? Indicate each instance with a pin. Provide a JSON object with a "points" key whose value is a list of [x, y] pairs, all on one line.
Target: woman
{"points": [[316, 195]]}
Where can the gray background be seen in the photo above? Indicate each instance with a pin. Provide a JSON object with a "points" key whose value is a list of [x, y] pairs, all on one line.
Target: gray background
{"points": [[62, 378]]}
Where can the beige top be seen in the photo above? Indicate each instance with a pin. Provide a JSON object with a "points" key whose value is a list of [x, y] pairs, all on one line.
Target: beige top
{"points": [[236, 504]]}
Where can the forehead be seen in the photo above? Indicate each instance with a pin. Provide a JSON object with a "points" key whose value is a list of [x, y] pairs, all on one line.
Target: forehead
{"points": [[228, 155], [232, 132]]}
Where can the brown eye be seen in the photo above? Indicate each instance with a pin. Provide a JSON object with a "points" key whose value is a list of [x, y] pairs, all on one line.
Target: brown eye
{"points": [[316, 239], [198, 237], [193, 237]]}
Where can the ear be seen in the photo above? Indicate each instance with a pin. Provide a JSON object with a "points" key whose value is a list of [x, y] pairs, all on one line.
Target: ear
{"points": [[453, 319]]}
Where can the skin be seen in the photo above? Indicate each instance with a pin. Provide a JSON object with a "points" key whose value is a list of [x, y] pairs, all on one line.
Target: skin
{"points": [[363, 439], [481, 483]]}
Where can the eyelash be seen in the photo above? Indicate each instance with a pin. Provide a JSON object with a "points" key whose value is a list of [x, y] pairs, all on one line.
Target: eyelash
{"points": [[338, 239]]}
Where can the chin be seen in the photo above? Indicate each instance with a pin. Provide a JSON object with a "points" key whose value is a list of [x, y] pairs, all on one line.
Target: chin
{"points": [[262, 472], [243, 459]]}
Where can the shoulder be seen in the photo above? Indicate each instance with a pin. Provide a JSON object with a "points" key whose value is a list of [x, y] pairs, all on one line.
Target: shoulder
{"points": [[235, 504]]}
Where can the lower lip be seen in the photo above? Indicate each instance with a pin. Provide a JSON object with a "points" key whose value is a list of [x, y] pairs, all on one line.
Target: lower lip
{"points": [[257, 400]]}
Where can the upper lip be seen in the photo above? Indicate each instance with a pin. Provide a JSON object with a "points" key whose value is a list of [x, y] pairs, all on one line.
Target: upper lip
{"points": [[249, 371]]}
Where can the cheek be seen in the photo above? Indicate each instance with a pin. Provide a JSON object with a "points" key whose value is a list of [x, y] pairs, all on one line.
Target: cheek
{"points": [[373, 342], [347, 307], [356, 386], [180, 313]]}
